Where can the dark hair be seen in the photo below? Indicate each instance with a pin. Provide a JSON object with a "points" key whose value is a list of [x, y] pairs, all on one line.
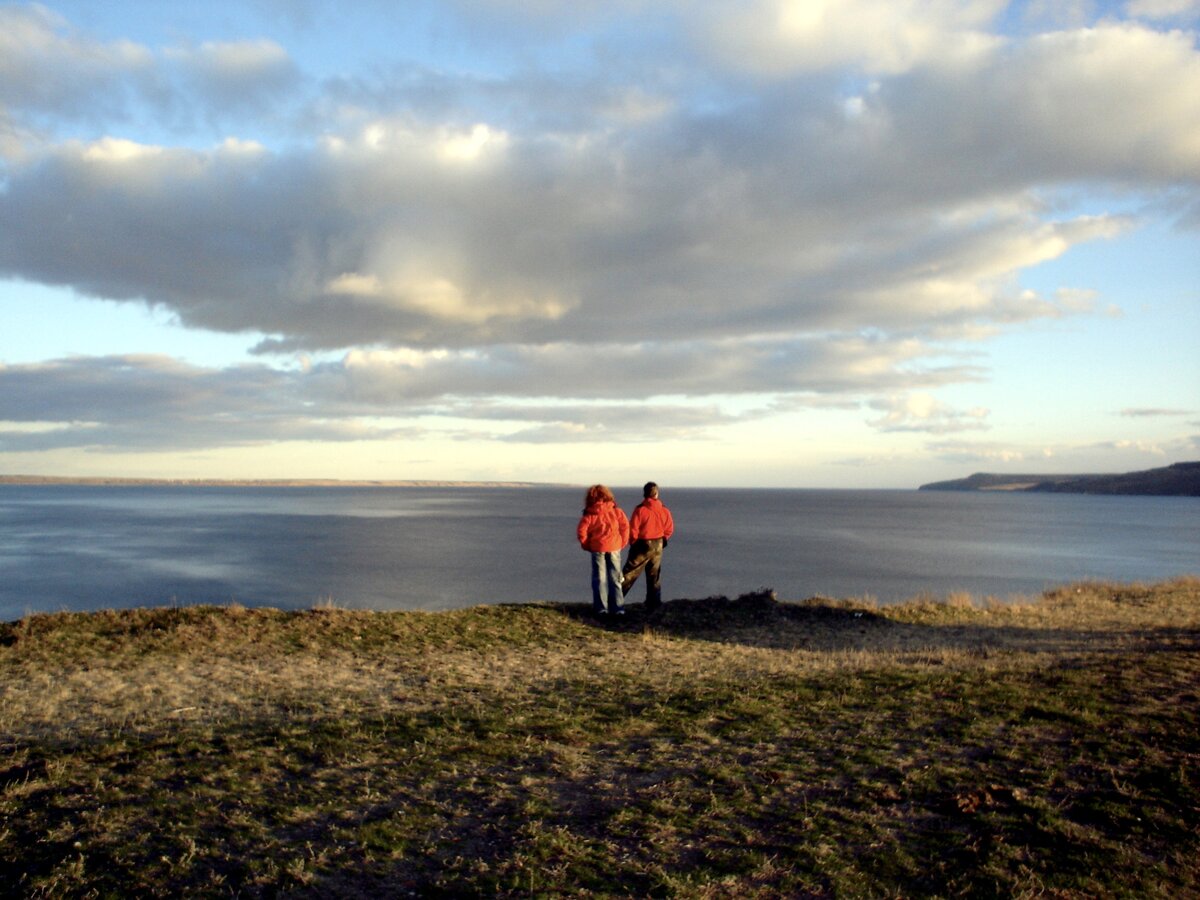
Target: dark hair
{"points": [[650, 490], [596, 493]]}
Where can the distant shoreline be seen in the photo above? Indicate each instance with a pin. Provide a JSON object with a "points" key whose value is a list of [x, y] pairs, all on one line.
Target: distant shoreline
{"points": [[104, 481], [1178, 480]]}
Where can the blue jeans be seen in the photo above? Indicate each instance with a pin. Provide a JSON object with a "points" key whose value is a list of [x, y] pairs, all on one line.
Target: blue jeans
{"points": [[606, 581]]}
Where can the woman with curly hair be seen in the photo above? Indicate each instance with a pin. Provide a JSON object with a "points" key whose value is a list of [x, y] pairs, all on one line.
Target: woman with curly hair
{"points": [[603, 531]]}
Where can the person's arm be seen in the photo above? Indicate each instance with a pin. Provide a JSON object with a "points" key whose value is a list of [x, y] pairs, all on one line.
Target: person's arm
{"points": [[640, 524]]}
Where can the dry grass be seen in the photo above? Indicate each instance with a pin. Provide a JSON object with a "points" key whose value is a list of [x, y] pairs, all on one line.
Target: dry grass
{"points": [[719, 748]]}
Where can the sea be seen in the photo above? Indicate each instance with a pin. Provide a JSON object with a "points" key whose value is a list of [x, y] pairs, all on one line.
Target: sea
{"points": [[77, 547]]}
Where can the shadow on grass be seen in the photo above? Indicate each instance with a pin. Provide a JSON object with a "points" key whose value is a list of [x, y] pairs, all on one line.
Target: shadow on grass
{"points": [[759, 619]]}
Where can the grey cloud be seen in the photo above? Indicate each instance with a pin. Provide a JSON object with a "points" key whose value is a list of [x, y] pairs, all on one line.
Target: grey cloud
{"points": [[112, 388], [542, 244], [187, 435], [156, 402], [520, 21], [747, 243], [845, 366], [1178, 10], [206, 235], [606, 422], [50, 71], [242, 76], [151, 402], [148, 402], [1126, 454], [527, 102], [1153, 413], [1107, 103]]}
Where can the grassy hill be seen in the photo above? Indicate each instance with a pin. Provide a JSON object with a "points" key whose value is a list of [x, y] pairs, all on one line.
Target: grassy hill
{"points": [[744, 748]]}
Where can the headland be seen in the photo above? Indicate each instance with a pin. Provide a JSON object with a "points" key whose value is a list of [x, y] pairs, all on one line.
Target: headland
{"points": [[1181, 480]]}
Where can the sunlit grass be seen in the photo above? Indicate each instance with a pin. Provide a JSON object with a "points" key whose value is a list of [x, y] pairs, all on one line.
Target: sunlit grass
{"points": [[722, 748]]}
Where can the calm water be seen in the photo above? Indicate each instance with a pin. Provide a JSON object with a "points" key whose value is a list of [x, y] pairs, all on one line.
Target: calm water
{"points": [[83, 548]]}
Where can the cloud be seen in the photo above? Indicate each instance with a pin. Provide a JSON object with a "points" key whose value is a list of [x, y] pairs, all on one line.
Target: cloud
{"points": [[971, 453], [833, 212], [929, 183], [780, 37], [922, 412], [558, 393], [1164, 9], [246, 75], [1154, 413], [1152, 448], [614, 422], [148, 402], [1080, 458], [425, 234], [46, 68], [848, 366], [1059, 13], [50, 71]]}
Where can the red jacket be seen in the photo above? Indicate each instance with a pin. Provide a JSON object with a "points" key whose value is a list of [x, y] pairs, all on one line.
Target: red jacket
{"points": [[651, 520], [603, 528]]}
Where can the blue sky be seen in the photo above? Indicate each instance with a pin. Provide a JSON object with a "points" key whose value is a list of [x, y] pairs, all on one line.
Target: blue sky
{"points": [[865, 243]]}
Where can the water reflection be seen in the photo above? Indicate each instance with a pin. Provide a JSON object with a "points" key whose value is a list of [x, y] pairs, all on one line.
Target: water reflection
{"points": [[437, 548]]}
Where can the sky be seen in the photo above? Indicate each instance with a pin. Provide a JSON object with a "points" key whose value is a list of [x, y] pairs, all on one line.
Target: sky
{"points": [[833, 243]]}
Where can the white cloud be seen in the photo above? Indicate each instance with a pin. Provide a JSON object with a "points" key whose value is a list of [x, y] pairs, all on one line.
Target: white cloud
{"points": [[1152, 448], [440, 299], [469, 147], [922, 412], [972, 453], [781, 37]]}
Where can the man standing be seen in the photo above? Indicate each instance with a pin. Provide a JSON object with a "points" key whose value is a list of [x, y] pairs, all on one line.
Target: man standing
{"points": [[650, 527]]}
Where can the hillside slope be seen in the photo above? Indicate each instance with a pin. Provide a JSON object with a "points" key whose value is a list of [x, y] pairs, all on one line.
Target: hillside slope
{"points": [[1181, 479]]}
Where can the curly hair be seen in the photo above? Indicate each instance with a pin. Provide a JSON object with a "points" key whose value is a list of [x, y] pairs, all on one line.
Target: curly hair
{"points": [[596, 493]]}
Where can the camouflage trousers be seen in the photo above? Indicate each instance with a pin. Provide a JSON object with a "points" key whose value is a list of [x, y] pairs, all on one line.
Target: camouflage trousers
{"points": [[645, 555]]}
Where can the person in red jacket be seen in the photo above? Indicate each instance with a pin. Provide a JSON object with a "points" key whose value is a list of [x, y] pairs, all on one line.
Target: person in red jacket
{"points": [[650, 527], [603, 531]]}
